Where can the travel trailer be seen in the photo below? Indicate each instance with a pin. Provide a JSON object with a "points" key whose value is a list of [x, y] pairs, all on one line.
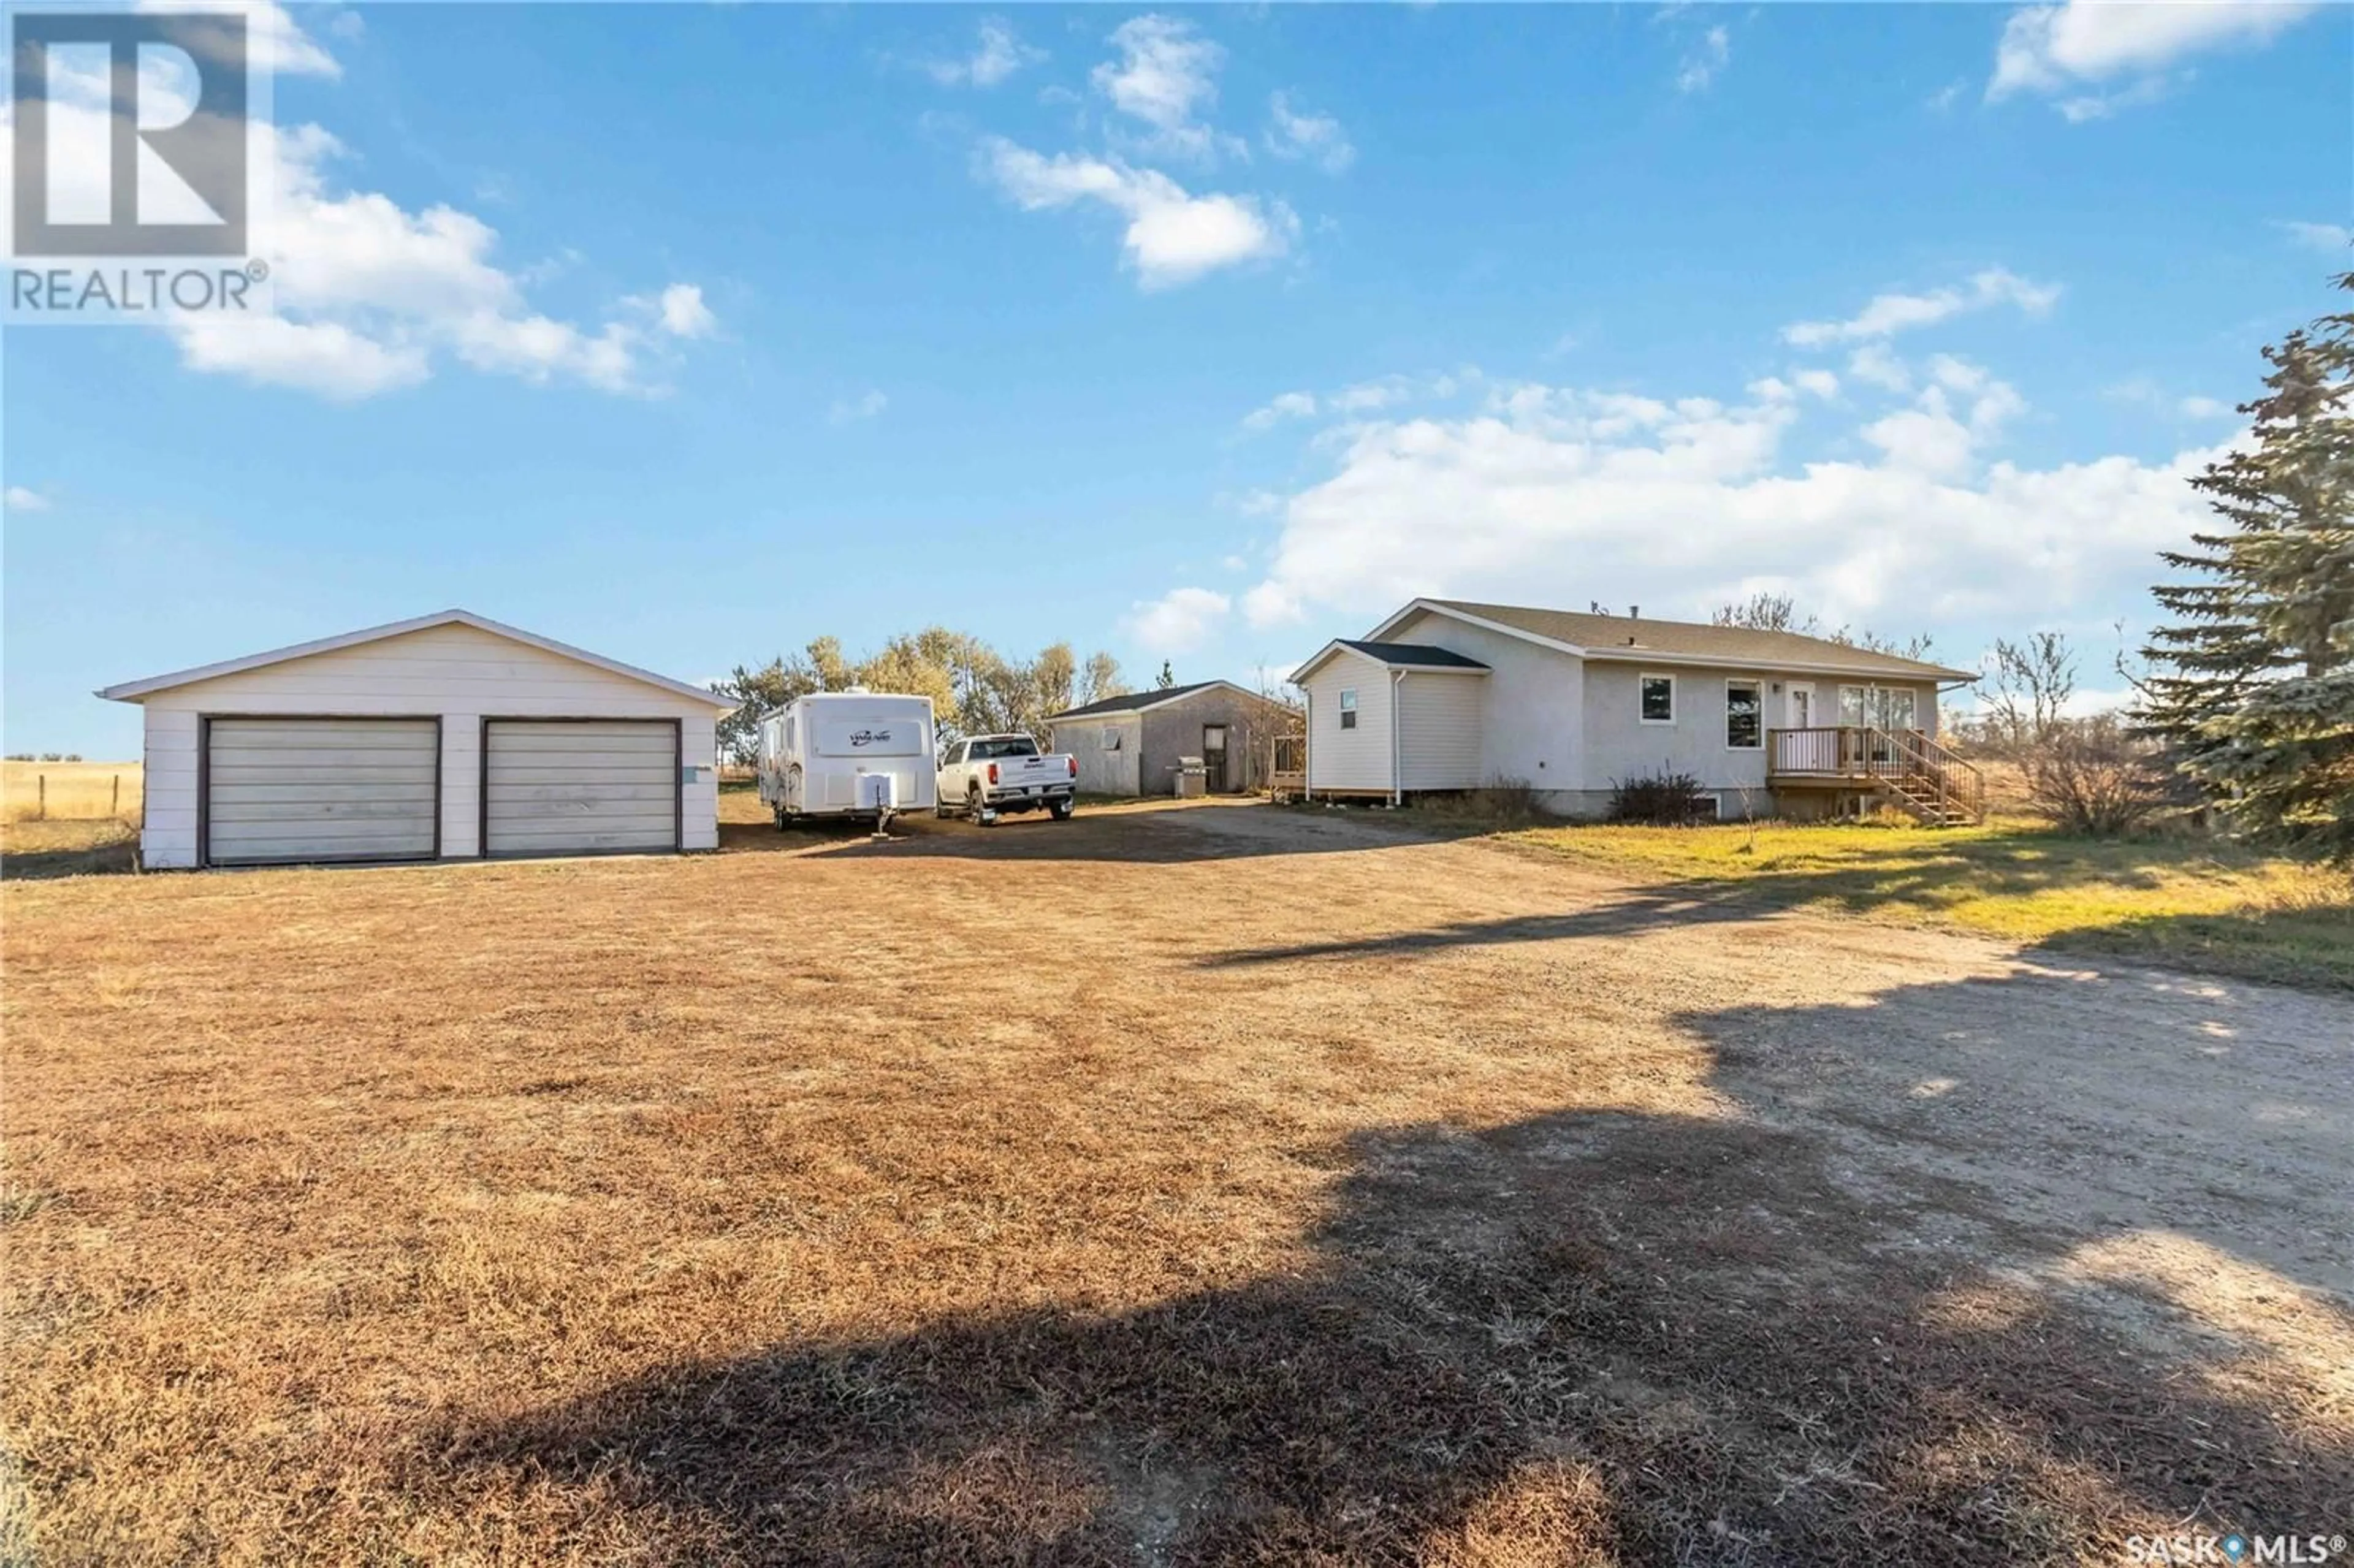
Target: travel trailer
{"points": [[860, 755]]}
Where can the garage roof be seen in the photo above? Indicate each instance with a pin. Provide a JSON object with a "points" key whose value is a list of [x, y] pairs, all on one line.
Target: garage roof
{"points": [[133, 690]]}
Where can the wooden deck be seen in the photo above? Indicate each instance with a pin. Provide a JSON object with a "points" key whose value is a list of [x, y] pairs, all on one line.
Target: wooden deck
{"points": [[1906, 767]]}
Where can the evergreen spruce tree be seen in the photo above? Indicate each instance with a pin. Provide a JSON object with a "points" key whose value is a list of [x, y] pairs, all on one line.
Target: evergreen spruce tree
{"points": [[2252, 682]]}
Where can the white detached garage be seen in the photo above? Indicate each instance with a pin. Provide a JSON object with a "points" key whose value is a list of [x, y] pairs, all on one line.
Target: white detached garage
{"points": [[448, 736]]}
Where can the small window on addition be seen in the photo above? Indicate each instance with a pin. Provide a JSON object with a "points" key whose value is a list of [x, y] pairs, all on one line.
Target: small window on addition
{"points": [[1745, 711], [1659, 699], [1347, 710]]}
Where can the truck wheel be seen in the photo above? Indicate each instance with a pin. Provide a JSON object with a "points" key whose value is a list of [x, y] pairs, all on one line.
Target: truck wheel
{"points": [[1062, 809], [973, 805]]}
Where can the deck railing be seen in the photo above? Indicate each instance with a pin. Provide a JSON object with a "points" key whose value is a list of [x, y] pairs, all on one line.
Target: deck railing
{"points": [[1907, 762]]}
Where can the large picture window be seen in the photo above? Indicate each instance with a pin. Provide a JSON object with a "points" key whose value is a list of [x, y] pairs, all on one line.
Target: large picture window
{"points": [[1659, 699], [1744, 715]]}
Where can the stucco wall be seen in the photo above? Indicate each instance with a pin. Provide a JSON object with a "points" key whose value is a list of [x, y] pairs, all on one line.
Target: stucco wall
{"points": [[1531, 702], [1102, 771], [1175, 731]]}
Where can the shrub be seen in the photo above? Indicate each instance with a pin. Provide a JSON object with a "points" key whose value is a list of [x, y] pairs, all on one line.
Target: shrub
{"points": [[2094, 775], [1664, 799]]}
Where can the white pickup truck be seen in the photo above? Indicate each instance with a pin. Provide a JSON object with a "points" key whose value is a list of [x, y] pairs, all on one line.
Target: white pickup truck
{"points": [[982, 775]]}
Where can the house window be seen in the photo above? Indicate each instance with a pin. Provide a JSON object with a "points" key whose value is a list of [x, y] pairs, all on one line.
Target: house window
{"points": [[1744, 715], [1851, 704], [1904, 710], [1659, 699], [1349, 710]]}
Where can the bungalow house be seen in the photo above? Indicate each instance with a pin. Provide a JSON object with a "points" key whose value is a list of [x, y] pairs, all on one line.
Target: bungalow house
{"points": [[1447, 694], [1135, 744]]}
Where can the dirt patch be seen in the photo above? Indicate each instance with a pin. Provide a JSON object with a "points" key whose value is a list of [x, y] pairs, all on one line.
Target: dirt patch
{"points": [[1292, 1188]]}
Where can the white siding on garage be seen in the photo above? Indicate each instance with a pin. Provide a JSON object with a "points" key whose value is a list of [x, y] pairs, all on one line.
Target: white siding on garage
{"points": [[284, 789], [460, 672], [1439, 731], [568, 787], [1356, 758]]}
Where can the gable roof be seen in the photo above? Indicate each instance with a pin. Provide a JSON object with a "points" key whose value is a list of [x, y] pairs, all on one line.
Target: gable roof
{"points": [[1397, 656], [133, 690], [1625, 637], [1140, 702]]}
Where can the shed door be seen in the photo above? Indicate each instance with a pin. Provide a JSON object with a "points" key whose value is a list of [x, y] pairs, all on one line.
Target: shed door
{"points": [[576, 786], [296, 789]]}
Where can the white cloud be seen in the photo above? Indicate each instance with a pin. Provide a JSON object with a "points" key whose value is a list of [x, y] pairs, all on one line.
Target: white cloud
{"points": [[1821, 383], [19, 499], [1549, 494], [370, 295], [1166, 74], [849, 410], [2143, 391], [2065, 48], [274, 42], [1180, 620], [997, 54], [1173, 237], [1284, 405], [2320, 236], [679, 310], [325, 358], [1362, 396], [1298, 134], [1887, 314], [1708, 55], [1876, 363]]}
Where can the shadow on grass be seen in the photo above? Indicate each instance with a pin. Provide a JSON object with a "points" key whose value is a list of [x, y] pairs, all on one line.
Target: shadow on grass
{"points": [[2310, 945], [51, 849], [1586, 1336], [1136, 833]]}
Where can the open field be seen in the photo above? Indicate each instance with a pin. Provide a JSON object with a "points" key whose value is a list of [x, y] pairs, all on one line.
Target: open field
{"points": [[76, 790], [2193, 903], [1282, 1187], [77, 835]]}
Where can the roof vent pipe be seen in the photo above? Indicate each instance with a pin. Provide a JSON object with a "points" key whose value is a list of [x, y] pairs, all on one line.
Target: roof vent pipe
{"points": [[1634, 613]]}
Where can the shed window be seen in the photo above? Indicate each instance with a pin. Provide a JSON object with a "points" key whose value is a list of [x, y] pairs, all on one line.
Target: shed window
{"points": [[1112, 737], [1744, 713], [1349, 709], [1659, 699]]}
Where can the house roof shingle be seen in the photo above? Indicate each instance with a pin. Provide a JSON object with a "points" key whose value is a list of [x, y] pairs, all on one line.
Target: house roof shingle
{"points": [[1137, 702], [1621, 636], [1412, 655]]}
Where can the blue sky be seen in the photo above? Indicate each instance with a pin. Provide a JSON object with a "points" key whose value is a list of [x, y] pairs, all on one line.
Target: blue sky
{"points": [[689, 332]]}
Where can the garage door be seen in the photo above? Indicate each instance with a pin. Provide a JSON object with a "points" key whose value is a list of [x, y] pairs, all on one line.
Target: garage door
{"points": [[295, 790], [574, 786]]}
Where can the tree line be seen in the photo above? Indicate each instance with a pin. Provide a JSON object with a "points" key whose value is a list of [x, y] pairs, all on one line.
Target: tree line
{"points": [[975, 689]]}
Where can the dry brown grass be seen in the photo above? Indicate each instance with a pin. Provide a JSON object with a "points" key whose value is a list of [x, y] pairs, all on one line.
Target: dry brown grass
{"points": [[73, 791], [1283, 1190]]}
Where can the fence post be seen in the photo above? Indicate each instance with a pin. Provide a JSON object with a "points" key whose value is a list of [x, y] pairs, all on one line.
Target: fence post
{"points": [[41, 812], [114, 807]]}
